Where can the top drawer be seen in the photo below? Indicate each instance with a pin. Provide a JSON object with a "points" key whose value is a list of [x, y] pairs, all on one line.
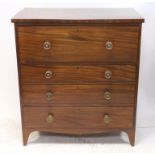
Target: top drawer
{"points": [[78, 44]]}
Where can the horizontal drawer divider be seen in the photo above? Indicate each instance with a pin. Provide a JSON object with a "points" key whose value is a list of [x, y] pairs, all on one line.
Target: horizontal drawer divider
{"points": [[95, 83], [45, 64], [84, 106]]}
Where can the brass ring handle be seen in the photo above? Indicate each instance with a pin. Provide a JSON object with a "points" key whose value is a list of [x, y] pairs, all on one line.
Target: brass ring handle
{"points": [[107, 95], [50, 118], [109, 45], [106, 119], [108, 74], [47, 45], [48, 74], [49, 96]]}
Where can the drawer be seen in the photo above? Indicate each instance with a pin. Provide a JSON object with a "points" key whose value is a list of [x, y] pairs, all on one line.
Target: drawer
{"points": [[78, 44], [78, 117], [79, 95], [77, 74]]}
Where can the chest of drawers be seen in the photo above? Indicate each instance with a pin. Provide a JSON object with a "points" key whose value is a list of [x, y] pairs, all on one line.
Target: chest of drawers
{"points": [[78, 70]]}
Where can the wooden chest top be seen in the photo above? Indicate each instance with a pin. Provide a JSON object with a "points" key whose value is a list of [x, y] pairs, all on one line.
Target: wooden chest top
{"points": [[78, 16]]}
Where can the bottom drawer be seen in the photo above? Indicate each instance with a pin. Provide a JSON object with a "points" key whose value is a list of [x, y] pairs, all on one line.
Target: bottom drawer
{"points": [[78, 117]]}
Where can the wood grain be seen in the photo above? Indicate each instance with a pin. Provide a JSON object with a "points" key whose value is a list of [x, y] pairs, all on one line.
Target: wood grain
{"points": [[77, 74], [78, 95], [79, 117], [78, 44]]}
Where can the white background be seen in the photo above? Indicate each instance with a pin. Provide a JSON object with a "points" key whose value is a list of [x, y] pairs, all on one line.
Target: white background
{"points": [[9, 97]]}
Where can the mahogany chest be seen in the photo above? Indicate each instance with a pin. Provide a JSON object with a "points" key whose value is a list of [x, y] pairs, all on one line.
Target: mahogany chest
{"points": [[78, 70]]}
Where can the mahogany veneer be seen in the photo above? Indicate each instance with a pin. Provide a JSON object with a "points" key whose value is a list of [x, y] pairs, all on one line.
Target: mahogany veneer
{"points": [[78, 70]]}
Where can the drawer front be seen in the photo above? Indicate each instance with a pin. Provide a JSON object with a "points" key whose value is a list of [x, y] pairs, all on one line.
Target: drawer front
{"points": [[79, 95], [78, 117], [78, 44], [77, 74]]}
